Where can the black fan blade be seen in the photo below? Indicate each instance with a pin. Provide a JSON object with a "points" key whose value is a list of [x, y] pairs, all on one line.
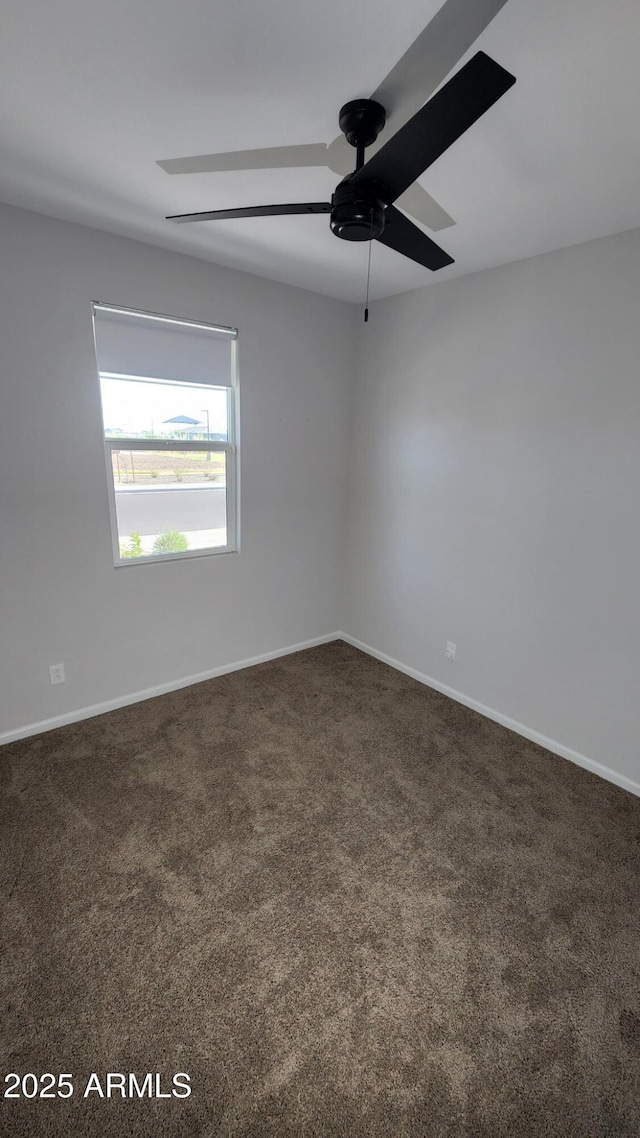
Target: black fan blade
{"points": [[451, 111], [255, 211], [402, 235]]}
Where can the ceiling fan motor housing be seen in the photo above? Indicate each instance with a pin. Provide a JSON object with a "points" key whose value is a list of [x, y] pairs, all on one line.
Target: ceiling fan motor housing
{"points": [[357, 214]]}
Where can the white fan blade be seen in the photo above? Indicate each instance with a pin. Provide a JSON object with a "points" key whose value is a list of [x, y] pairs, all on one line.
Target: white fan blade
{"points": [[269, 158], [451, 32], [341, 157], [417, 202]]}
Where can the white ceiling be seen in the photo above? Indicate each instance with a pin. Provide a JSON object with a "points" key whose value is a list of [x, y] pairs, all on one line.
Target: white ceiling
{"points": [[95, 92]]}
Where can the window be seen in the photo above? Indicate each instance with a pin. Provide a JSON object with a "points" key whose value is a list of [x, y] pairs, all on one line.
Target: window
{"points": [[169, 409]]}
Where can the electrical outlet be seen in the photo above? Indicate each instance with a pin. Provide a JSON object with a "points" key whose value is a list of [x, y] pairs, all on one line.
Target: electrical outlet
{"points": [[56, 673], [450, 650]]}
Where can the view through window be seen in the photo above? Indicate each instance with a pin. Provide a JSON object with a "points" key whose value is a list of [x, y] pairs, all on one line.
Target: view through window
{"points": [[168, 391]]}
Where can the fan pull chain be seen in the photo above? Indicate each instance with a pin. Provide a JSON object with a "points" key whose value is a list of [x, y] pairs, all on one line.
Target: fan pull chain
{"points": [[366, 303]]}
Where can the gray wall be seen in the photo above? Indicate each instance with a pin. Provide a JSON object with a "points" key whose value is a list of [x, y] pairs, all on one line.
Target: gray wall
{"points": [[122, 631], [495, 486]]}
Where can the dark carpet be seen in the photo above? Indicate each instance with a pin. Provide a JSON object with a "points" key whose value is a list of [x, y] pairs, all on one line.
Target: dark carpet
{"points": [[340, 902]]}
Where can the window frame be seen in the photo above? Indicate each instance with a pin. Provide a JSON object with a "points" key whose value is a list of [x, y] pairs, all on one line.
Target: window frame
{"points": [[230, 447]]}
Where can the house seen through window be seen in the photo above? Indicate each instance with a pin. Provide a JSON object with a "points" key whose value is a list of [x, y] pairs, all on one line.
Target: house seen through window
{"points": [[169, 390]]}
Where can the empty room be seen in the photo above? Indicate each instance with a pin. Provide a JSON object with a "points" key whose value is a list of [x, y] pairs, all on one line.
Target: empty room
{"points": [[319, 565]]}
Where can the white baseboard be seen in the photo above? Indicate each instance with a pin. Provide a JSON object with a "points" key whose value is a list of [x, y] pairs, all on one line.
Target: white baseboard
{"points": [[159, 689], [186, 681], [505, 720]]}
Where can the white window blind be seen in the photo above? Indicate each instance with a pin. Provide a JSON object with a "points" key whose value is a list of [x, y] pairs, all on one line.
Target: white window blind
{"points": [[170, 414], [129, 343]]}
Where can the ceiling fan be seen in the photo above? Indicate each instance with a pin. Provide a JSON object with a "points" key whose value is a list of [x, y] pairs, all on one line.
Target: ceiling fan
{"points": [[362, 207]]}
